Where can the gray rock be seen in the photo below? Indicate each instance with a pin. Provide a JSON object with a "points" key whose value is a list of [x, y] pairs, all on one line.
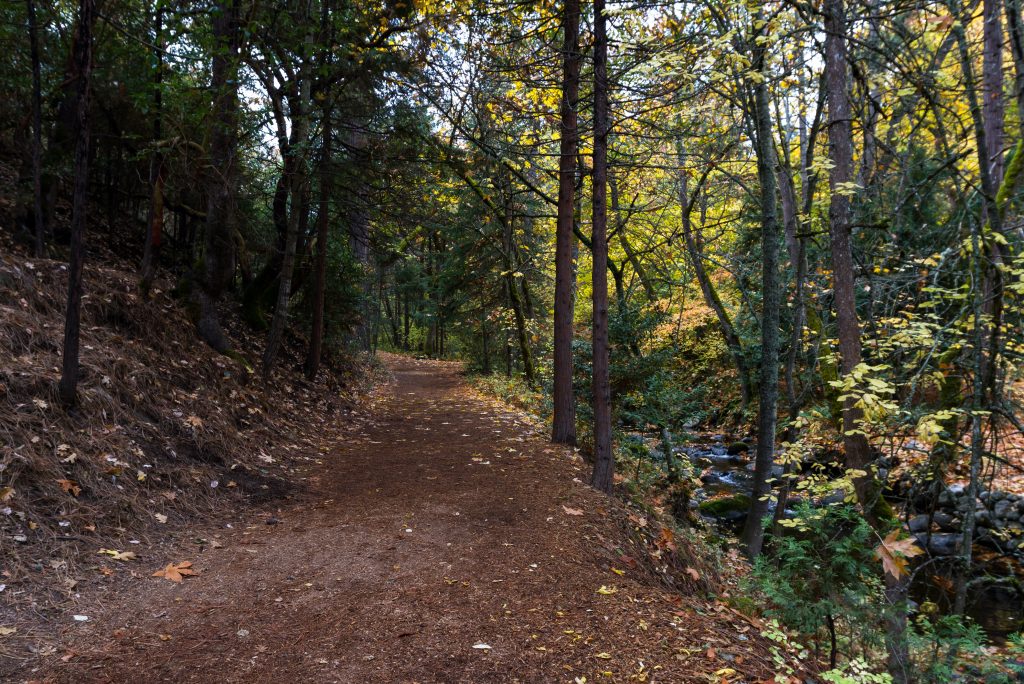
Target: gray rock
{"points": [[945, 521], [940, 544], [1003, 509], [996, 496], [919, 523]]}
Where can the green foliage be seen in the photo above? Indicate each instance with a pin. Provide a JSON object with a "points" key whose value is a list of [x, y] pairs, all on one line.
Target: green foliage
{"points": [[825, 572]]}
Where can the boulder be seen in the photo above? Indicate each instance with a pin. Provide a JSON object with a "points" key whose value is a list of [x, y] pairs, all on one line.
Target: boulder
{"points": [[1003, 509], [729, 508], [737, 448], [919, 523], [945, 521], [941, 543]]}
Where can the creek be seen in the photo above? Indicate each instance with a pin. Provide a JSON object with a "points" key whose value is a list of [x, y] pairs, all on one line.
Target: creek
{"points": [[995, 600]]}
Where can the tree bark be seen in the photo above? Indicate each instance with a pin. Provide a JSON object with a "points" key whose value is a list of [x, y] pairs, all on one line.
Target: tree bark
{"points": [[297, 184], [38, 226], [219, 259], [154, 234], [316, 336], [563, 424], [753, 530], [82, 61], [604, 459]]}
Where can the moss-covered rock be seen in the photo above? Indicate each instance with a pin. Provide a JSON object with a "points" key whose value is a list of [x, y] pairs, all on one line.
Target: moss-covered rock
{"points": [[732, 506]]}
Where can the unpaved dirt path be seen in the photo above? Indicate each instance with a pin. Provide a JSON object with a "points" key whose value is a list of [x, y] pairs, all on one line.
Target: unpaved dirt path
{"points": [[439, 527]]}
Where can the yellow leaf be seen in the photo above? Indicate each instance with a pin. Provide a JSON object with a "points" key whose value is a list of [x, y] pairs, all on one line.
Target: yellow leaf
{"points": [[604, 656], [606, 591], [118, 555]]}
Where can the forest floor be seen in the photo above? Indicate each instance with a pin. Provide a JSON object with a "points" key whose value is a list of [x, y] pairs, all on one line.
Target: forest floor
{"points": [[444, 540]]}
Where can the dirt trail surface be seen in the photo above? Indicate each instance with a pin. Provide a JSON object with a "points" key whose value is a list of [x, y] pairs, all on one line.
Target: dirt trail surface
{"points": [[444, 541]]}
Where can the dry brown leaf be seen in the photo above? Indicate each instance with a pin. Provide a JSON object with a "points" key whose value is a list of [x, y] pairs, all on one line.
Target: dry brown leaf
{"points": [[176, 571], [571, 511], [694, 574], [894, 553], [70, 487]]}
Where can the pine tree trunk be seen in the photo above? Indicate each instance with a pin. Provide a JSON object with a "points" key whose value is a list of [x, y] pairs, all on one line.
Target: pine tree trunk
{"points": [[604, 459], [764, 459], [316, 336], [563, 424], [155, 228], [37, 134], [68, 386], [219, 257]]}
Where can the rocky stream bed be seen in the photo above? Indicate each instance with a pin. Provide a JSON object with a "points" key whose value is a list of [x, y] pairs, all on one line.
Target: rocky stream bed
{"points": [[996, 596]]}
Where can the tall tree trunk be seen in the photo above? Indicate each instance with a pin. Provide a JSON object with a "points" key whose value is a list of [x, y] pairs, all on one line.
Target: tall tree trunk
{"points": [[764, 460], [82, 61], [219, 257], [320, 277], [604, 459], [855, 442], [154, 233], [297, 183], [840, 179], [358, 221], [987, 303], [993, 106], [37, 134], [563, 423]]}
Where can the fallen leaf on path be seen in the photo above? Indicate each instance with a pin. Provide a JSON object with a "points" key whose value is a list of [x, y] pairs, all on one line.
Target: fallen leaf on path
{"points": [[572, 511], [482, 647], [694, 574], [7, 631], [118, 555], [70, 487], [604, 656], [176, 571], [160, 518], [606, 591]]}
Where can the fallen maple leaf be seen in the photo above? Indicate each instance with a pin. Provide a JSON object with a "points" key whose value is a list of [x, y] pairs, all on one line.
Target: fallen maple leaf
{"points": [[176, 571], [894, 553], [70, 486]]}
